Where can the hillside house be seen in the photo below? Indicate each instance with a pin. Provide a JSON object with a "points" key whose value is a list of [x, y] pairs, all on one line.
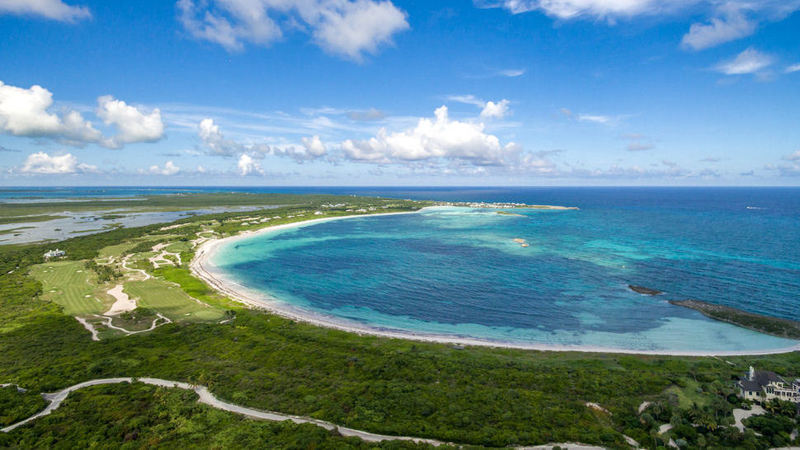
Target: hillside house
{"points": [[763, 385]]}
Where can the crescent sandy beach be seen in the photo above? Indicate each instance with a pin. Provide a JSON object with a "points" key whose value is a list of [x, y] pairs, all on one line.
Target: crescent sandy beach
{"points": [[203, 267]]}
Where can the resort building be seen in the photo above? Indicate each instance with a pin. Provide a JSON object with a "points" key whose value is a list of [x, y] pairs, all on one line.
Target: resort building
{"points": [[763, 385], [54, 254]]}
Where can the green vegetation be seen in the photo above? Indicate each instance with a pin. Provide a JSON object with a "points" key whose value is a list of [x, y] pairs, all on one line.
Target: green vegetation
{"points": [[71, 285], [177, 202], [689, 393], [480, 396], [139, 416], [120, 249], [194, 287], [763, 324], [27, 219], [105, 273], [13, 230], [170, 300], [16, 405], [112, 216], [179, 247], [138, 319]]}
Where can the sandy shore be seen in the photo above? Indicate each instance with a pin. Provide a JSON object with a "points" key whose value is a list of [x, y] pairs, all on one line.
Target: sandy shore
{"points": [[202, 268]]}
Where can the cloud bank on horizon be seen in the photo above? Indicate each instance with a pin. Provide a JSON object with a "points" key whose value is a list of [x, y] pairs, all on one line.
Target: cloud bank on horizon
{"points": [[661, 92]]}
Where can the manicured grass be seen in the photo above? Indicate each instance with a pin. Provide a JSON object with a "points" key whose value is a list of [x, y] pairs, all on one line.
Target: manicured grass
{"points": [[194, 287], [179, 247], [171, 301], [71, 285]]}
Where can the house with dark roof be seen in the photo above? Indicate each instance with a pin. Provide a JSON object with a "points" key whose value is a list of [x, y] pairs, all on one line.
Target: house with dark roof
{"points": [[763, 385]]}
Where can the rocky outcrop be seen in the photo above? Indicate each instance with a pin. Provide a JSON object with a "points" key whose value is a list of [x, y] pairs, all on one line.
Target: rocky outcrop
{"points": [[643, 290]]}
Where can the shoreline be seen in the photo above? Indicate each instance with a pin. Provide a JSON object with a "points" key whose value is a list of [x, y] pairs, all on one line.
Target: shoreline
{"points": [[201, 267]]}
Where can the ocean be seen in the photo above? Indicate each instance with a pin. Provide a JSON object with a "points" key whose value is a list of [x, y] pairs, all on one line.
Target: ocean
{"points": [[459, 272]]}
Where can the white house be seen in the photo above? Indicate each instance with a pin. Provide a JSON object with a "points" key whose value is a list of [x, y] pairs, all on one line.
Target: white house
{"points": [[54, 254], [762, 385]]}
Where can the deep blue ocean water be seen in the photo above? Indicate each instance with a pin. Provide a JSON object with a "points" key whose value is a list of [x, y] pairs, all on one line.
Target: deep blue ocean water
{"points": [[458, 271]]}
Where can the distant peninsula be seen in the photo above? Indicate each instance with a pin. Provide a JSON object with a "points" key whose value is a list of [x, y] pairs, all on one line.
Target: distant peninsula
{"points": [[506, 205], [774, 326]]}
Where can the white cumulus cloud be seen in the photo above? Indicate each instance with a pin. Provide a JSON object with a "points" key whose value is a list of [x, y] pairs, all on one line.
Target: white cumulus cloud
{"points": [[248, 166], [50, 9], [793, 68], [747, 62], [496, 110], [27, 112], [24, 112], [216, 144], [314, 146], [349, 28], [43, 163], [359, 27], [132, 124], [169, 169], [438, 138], [728, 19]]}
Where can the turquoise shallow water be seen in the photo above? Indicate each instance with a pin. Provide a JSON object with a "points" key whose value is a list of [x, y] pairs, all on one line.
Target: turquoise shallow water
{"points": [[458, 272]]}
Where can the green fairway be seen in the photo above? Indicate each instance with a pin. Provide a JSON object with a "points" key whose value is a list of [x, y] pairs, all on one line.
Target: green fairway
{"points": [[72, 286], [179, 247], [171, 301]]}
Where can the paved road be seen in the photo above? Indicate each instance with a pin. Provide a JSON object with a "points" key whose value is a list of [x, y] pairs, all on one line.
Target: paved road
{"points": [[208, 398]]}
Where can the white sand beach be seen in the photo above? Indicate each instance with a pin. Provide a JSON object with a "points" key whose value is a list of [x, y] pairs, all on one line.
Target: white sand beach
{"points": [[202, 267]]}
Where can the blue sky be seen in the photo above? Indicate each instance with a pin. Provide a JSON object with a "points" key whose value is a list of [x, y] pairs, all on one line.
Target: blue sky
{"points": [[377, 92]]}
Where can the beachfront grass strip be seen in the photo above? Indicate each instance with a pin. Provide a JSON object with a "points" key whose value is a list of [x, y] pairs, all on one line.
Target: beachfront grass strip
{"points": [[194, 287], [171, 301], [71, 285]]}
